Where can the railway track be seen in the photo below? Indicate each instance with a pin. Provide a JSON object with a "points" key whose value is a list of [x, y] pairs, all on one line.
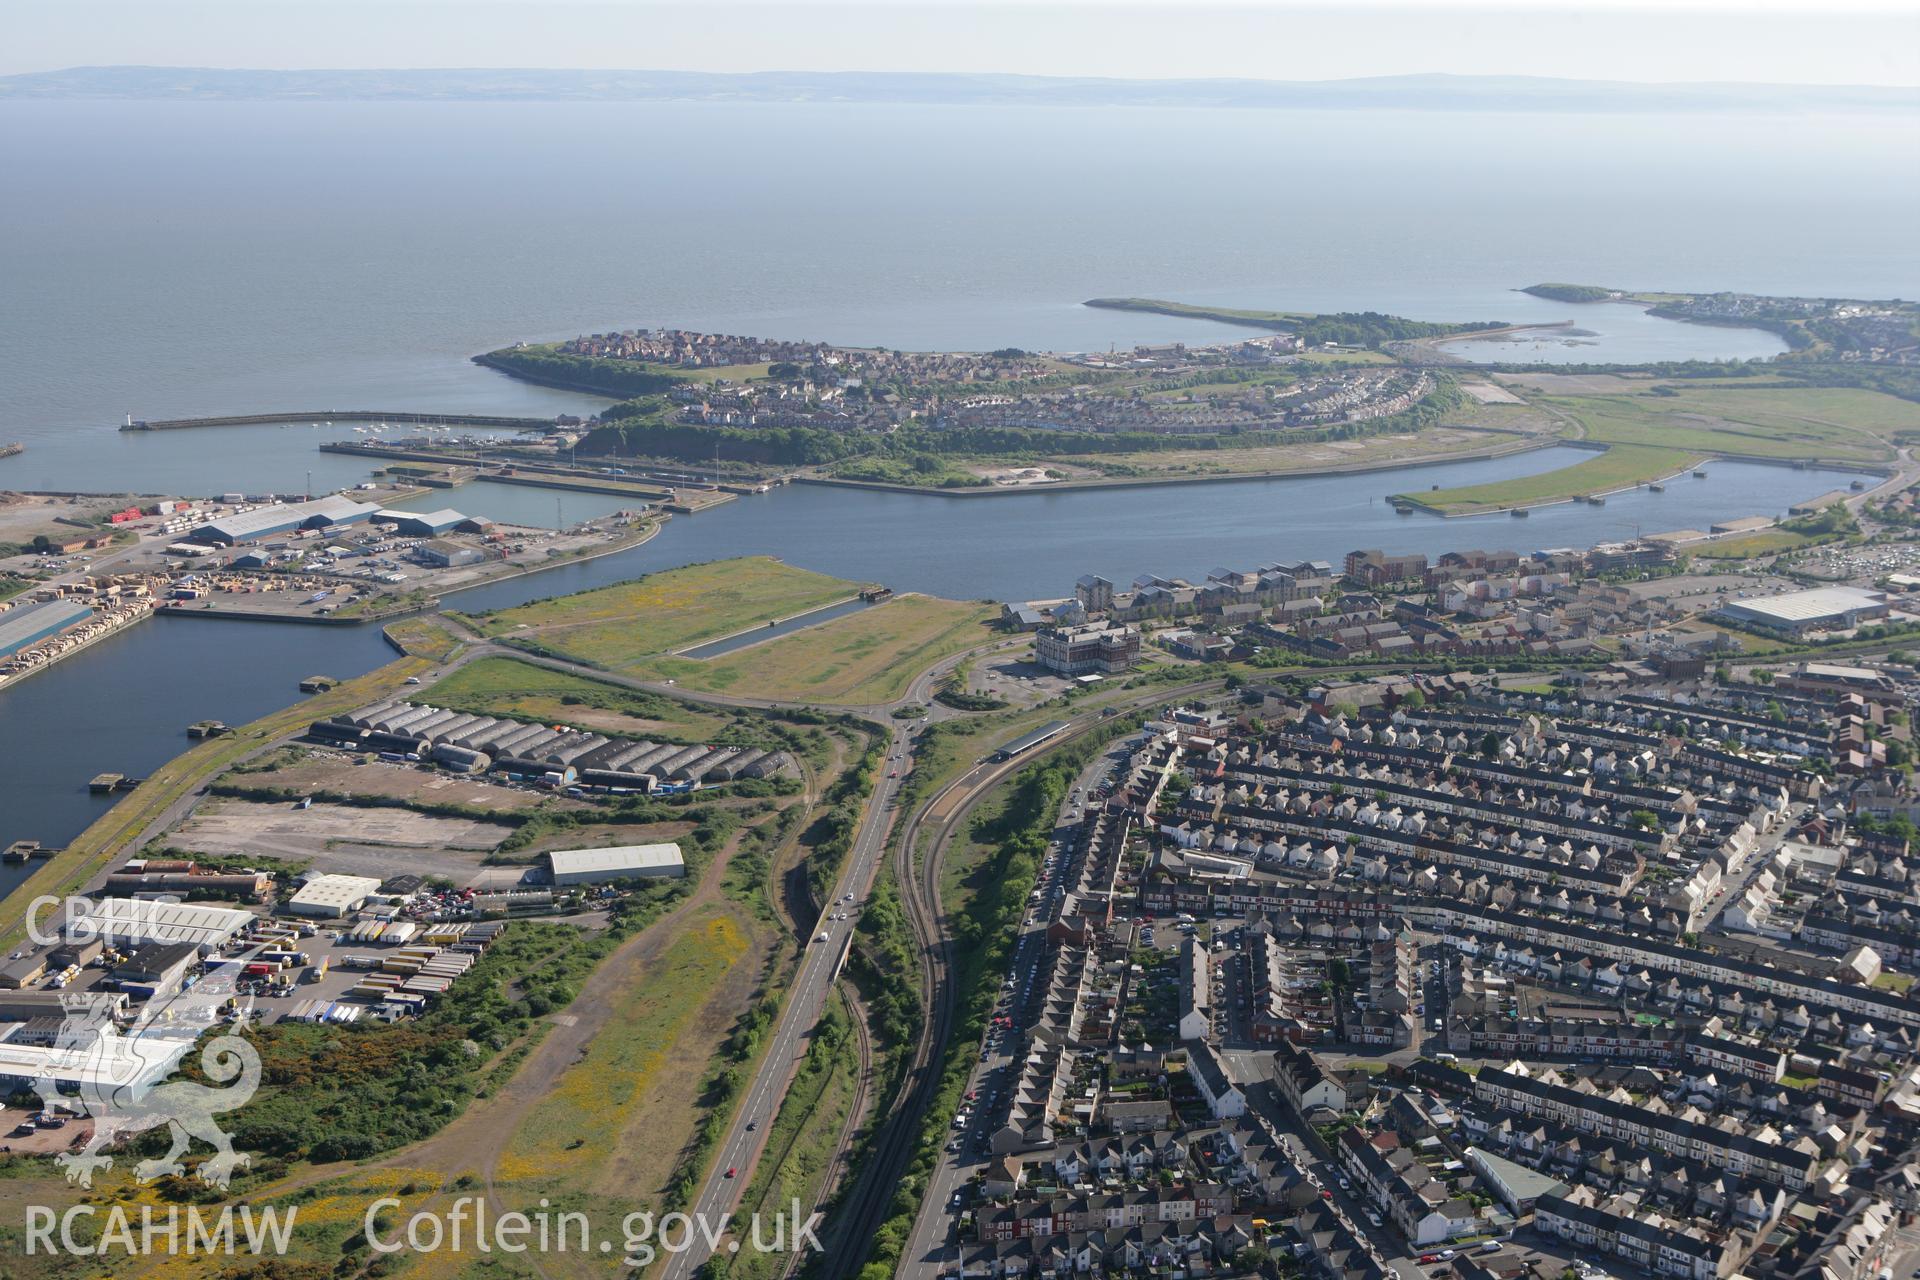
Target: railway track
{"points": [[919, 878], [868, 1200], [862, 1085]]}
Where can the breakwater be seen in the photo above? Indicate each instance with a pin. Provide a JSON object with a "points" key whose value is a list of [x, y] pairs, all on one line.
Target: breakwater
{"points": [[344, 415]]}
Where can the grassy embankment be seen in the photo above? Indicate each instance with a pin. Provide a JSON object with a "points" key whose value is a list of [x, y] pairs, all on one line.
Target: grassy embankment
{"points": [[1834, 524], [544, 363], [1665, 428], [424, 637], [1367, 329], [802, 1137]]}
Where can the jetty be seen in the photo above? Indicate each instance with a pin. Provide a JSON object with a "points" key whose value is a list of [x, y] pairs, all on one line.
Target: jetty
{"points": [[344, 415]]}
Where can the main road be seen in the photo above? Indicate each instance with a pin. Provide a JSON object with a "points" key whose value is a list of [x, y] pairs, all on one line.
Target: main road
{"points": [[807, 995]]}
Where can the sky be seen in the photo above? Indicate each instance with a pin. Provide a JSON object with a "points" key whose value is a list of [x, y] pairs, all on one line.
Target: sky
{"points": [[1773, 41]]}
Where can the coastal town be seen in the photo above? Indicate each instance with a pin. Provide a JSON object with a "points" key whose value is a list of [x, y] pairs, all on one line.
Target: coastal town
{"points": [[759, 382]]}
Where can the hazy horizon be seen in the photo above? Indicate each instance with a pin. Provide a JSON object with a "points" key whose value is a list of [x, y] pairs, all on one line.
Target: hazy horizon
{"points": [[1437, 92], [1863, 43]]}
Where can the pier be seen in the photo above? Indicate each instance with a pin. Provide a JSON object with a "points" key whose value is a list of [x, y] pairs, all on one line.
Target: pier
{"points": [[343, 415]]}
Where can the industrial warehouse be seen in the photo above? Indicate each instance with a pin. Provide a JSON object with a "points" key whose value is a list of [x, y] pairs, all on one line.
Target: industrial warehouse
{"points": [[332, 896], [431, 524], [265, 522], [624, 862], [129, 923], [554, 756], [1799, 612], [26, 625], [335, 512]]}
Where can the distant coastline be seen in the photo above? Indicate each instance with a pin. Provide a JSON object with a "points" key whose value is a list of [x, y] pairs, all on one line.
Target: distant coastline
{"points": [[1378, 93]]}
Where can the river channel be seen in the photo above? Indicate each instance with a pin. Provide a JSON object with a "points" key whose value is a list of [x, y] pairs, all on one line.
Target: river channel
{"points": [[124, 704]]}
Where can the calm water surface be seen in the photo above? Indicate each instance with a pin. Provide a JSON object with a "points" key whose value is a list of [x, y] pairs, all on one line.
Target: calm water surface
{"points": [[166, 259]]}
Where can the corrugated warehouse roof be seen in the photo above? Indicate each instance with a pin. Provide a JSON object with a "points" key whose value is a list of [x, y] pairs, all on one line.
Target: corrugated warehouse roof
{"points": [[24, 624], [288, 515], [138, 920], [617, 861], [439, 521]]}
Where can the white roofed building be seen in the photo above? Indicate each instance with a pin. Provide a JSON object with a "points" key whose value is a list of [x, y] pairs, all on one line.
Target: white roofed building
{"points": [[332, 895], [622, 862], [1798, 612]]}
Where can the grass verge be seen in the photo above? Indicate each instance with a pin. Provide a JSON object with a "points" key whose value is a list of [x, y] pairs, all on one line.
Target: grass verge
{"points": [[859, 659]]}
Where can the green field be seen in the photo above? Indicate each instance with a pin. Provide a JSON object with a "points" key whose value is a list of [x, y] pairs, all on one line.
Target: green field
{"points": [[1766, 543], [862, 658], [617, 627], [1617, 468], [1280, 458], [1832, 424], [1345, 328], [1669, 426], [580, 1124]]}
